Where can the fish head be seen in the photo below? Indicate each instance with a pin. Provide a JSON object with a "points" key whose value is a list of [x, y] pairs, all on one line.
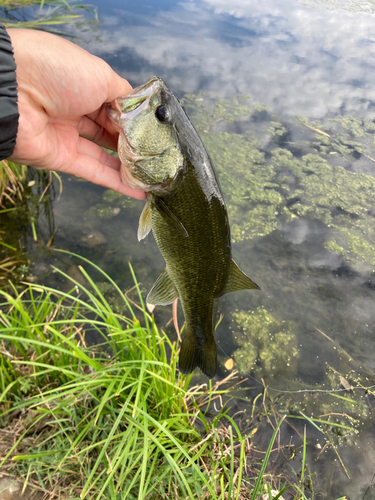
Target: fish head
{"points": [[148, 146]]}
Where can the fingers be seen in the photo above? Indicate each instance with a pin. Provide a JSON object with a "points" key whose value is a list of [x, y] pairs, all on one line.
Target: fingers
{"points": [[117, 87], [88, 148], [95, 165], [100, 116], [96, 132]]}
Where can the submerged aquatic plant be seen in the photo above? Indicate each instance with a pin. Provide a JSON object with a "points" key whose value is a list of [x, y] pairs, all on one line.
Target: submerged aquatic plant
{"points": [[268, 347], [248, 182], [268, 185], [111, 205]]}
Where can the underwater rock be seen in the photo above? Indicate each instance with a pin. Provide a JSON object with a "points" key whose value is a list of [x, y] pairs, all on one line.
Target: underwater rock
{"points": [[93, 239], [76, 275]]}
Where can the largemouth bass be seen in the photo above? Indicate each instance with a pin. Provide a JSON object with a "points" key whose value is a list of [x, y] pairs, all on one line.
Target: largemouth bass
{"points": [[162, 154]]}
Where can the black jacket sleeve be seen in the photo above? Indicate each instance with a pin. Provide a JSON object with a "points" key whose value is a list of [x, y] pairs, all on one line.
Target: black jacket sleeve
{"points": [[8, 96]]}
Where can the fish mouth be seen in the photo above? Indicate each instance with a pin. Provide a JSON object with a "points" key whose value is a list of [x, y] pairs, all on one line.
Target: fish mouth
{"points": [[123, 107], [127, 154]]}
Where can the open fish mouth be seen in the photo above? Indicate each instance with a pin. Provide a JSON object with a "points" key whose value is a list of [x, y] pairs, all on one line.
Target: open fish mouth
{"points": [[132, 101]]}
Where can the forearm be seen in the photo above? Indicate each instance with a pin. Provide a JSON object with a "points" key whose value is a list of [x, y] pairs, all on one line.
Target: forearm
{"points": [[8, 96]]}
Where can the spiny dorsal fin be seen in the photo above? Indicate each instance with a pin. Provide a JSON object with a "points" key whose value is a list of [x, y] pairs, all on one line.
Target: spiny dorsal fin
{"points": [[144, 223], [169, 217], [238, 280], [163, 291]]}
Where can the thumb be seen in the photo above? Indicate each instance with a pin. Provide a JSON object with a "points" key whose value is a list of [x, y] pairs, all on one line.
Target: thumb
{"points": [[117, 86]]}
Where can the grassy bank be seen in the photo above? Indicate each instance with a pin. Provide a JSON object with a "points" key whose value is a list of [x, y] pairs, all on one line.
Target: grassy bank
{"points": [[108, 421], [112, 421]]}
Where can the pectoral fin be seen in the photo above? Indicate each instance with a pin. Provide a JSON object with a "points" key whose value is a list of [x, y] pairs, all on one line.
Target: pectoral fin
{"points": [[238, 280], [144, 223], [169, 217], [163, 292]]}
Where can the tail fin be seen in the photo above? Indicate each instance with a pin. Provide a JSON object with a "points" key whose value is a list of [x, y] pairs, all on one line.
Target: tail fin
{"points": [[193, 354]]}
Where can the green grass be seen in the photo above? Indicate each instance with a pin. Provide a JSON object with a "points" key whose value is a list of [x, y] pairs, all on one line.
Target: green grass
{"points": [[107, 421], [114, 420], [46, 15]]}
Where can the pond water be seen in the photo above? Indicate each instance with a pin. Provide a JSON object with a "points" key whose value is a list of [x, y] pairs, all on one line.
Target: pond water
{"points": [[282, 94]]}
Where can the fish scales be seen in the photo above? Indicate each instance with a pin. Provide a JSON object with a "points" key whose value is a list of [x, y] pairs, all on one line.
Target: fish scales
{"points": [[199, 264]]}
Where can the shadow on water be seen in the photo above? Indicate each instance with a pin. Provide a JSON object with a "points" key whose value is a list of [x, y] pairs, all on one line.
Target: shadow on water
{"points": [[27, 222]]}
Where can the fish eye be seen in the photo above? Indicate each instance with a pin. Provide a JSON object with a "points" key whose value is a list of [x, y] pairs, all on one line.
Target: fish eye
{"points": [[162, 113]]}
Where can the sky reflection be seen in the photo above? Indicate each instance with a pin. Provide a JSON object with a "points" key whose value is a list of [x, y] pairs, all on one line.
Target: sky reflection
{"points": [[298, 60]]}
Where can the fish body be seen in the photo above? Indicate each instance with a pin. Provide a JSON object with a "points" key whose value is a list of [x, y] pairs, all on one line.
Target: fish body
{"points": [[198, 264], [162, 153]]}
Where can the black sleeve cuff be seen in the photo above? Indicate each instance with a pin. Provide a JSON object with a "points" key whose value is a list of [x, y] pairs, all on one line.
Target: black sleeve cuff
{"points": [[8, 96]]}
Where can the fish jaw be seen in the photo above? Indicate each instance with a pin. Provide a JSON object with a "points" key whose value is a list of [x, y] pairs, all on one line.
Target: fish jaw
{"points": [[123, 109]]}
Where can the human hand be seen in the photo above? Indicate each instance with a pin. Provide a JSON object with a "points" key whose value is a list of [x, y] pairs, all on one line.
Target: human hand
{"points": [[63, 124]]}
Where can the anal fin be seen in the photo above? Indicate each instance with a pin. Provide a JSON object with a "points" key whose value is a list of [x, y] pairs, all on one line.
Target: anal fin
{"points": [[238, 280], [163, 291]]}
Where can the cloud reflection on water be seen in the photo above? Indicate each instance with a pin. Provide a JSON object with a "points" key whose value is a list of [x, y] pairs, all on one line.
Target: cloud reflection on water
{"points": [[297, 60]]}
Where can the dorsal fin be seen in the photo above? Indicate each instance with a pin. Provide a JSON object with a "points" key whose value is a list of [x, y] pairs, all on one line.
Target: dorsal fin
{"points": [[163, 291], [238, 280]]}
